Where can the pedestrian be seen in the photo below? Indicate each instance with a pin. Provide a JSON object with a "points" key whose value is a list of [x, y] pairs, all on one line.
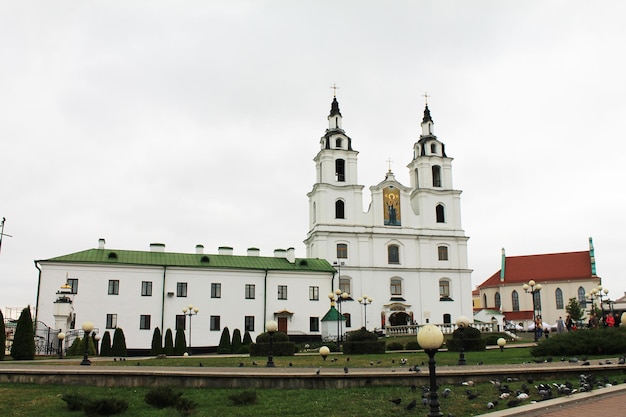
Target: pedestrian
{"points": [[609, 321], [560, 325], [569, 323]]}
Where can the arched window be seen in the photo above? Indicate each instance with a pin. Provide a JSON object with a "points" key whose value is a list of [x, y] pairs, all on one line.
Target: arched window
{"points": [[496, 299], [348, 318], [314, 213], [442, 253], [441, 214], [393, 254], [340, 210], [537, 297], [515, 300], [444, 290], [581, 297], [345, 285], [340, 170], [338, 143], [396, 286], [433, 148], [342, 250], [436, 176], [484, 300], [558, 294], [417, 179]]}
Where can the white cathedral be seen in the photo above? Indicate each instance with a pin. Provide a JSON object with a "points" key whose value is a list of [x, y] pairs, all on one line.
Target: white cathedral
{"points": [[400, 264]]}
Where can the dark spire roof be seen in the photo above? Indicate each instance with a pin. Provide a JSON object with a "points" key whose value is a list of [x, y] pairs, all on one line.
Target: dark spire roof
{"points": [[427, 117], [334, 107]]}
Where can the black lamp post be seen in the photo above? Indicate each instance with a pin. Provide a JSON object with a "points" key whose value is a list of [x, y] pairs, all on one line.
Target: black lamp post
{"points": [[87, 328], [533, 288], [324, 352], [337, 298], [365, 300], [190, 312], [430, 339], [271, 327], [462, 322], [61, 336]]}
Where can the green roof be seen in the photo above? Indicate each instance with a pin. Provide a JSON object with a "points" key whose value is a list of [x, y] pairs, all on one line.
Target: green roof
{"points": [[189, 260], [333, 315]]}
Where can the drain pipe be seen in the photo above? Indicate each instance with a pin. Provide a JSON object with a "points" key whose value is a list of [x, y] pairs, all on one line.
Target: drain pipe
{"points": [[163, 302], [38, 291], [264, 300]]}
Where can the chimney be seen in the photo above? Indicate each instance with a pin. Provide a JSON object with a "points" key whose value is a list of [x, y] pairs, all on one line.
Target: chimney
{"points": [[254, 252], [225, 250], [157, 247], [280, 253], [291, 255], [101, 243], [199, 249]]}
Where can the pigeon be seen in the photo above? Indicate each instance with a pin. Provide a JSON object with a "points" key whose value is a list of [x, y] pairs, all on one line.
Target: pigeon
{"points": [[348, 359], [490, 405], [504, 395], [254, 363], [200, 365], [396, 401], [522, 396], [425, 401], [514, 403], [621, 360], [413, 388], [586, 363], [446, 393], [467, 383], [345, 369], [241, 364], [317, 371], [333, 360], [138, 364], [371, 363], [471, 395], [290, 364], [411, 405]]}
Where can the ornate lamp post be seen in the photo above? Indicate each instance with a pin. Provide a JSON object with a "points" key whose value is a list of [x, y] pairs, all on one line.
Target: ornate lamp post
{"points": [[430, 339], [462, 322], [337, 298], [501, 342], [61, 336], [324, 352], [365, 300], [190, 312], [533, 288], [271, 327], [87, 328]]}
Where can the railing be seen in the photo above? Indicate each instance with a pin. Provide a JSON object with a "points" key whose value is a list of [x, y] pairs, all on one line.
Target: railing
{"points": [[447, 328]]}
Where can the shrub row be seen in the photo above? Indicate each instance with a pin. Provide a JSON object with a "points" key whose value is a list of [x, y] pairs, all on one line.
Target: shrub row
{"points": [[604, 341]]}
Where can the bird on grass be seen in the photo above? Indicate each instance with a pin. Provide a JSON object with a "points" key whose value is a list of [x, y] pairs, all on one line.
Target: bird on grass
{"points": [[290, 364], [471, 395], [200, 365], [254, 363], [446, 393], [425, 401], [411, 405], [514, 403], [241, 364], [396, 401]]}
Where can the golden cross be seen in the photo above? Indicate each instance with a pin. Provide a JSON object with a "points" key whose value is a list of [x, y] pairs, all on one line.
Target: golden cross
{"points": [[389, 161], [335, 88], [425, 95]]}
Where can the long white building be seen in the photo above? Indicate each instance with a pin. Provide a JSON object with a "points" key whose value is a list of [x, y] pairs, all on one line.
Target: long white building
{"points": [[401, 262]]}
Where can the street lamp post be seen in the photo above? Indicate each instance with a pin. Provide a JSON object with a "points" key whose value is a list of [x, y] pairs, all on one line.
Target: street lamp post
{"points": [[365, 300], [501, 342], [271, 327], [430, 339], [462, 322], [324, 352], [87, 328], [190, 311], [61, 336], [338, 298], [533, 288]]}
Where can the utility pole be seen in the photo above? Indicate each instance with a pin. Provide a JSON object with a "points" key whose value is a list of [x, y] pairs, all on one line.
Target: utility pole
{"points": [[2, 231]]}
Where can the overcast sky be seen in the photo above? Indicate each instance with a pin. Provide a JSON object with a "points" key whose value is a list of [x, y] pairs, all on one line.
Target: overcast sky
{"points": [[196, 122]]}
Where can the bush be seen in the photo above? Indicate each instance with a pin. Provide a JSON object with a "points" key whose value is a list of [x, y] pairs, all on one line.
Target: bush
{"points": [[23, 347], [3, 337], [224, 346], [186, 406], [413, 345], [236, 345], [75, 402], [603, 341], [247, 339], [162, 397], [105, 345], [395, 346], [169, 343], [119, 343], [74, 349], [81, 347], [472, 340], [243, 398], [105, 407], [363, 342], [156, 346], [180, 345]]}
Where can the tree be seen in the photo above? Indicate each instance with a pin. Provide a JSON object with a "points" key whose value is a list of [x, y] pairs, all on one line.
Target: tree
{"points": [[247, 339], [224, 346], [236, 344], [23, 347], [180, 345], [3, 337], [81, 346], [574, 310], [119, 343], [105, 345], [74, 349], [169, 343], [157, 342]]}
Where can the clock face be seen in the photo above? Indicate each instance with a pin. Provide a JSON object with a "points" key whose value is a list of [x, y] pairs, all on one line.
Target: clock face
{"points": [[391, 206]]}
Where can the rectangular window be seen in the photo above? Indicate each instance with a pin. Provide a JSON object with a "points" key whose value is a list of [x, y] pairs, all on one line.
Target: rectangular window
{"points": [[344, 285], [181, 289], [443, 253], [282, 292], [314, 293], [114, 286], [144, 322], [396, 287], [111, 321], [393, 254], [146, 288], [444, 289], [181, 322], [314, 324], [249, 323], [250, 292], [216, 290], [73, 283], [342, 250], [215, 322]]}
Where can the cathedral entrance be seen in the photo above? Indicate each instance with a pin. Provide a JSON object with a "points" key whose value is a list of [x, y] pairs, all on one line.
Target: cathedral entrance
{"points": [[399, 318]]}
